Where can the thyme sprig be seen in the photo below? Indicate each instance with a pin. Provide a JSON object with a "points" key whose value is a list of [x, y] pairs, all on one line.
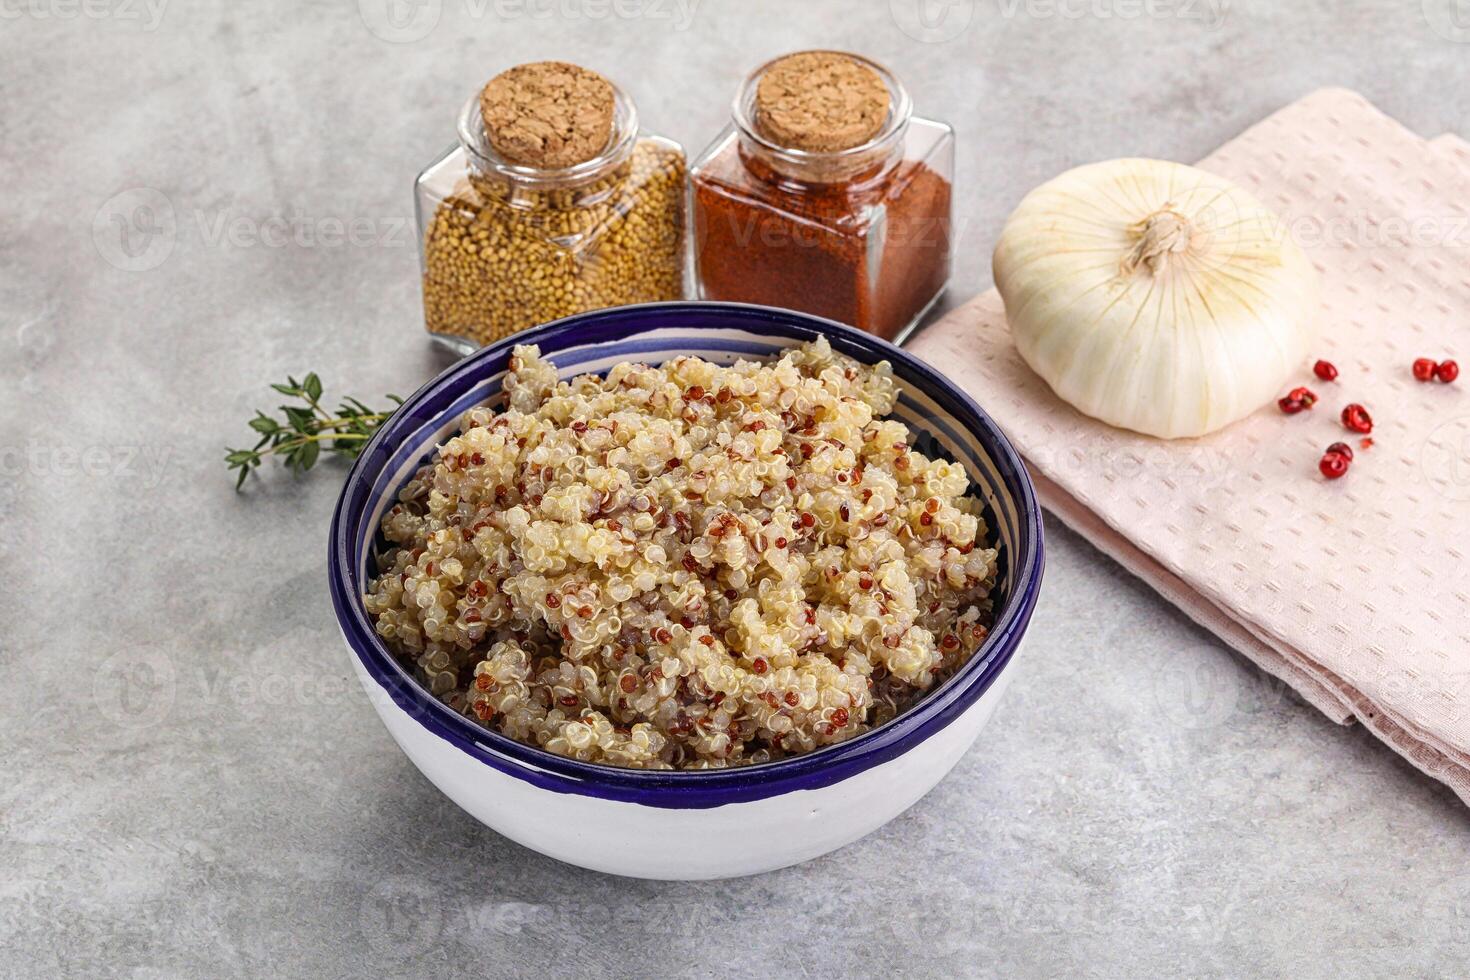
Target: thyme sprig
{"points": [[303, 431]]}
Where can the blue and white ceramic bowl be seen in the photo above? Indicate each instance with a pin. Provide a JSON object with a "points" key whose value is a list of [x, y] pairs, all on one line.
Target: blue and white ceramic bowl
{"points": [[700, 824]]}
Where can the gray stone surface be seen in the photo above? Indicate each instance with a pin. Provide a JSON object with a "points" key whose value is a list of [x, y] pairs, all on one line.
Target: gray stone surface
{"points": [[190, 783]]}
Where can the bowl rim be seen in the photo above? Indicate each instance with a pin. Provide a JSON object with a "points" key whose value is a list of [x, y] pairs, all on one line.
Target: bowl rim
{"points": [[702, 788]]}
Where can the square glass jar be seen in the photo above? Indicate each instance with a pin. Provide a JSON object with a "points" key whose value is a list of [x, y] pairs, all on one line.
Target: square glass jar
{"points": [[504, 246], [861, 235]]}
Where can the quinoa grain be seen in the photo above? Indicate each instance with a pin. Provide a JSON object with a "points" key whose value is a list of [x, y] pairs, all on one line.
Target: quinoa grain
{"points": [[616, 609]]}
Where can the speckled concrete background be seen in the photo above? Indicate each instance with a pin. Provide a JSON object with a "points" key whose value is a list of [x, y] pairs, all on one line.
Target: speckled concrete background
{"points": [[199, 198]]}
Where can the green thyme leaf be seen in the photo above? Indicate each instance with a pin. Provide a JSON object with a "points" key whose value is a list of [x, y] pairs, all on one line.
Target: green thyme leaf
{"points": [[298, 436], [301, 419]]}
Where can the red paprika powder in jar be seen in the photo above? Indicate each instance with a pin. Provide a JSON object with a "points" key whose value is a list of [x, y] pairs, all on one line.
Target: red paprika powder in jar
{"points": [[826, 195]]}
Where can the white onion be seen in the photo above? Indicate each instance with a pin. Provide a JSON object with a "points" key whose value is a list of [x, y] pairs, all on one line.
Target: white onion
{"points": [[1156, 297]]}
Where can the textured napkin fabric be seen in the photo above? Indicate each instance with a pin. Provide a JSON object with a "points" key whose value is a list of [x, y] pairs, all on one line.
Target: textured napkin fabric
{"points": [[1356, 592]]}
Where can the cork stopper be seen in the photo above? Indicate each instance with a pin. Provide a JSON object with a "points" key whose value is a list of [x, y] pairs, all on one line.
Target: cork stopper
{"points": [[820, 102], [548, 114]]}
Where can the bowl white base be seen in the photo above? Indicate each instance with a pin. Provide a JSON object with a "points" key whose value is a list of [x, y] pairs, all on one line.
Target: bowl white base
{"points": [[653, 842]]}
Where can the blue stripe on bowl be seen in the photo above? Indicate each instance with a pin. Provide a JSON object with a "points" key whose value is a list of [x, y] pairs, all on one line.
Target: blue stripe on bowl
{"points": [[946, 422]]}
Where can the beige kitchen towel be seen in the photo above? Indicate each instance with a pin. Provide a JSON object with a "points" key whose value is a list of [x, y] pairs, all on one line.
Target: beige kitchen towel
{"points": [[1455, 146], [1356, 592]]}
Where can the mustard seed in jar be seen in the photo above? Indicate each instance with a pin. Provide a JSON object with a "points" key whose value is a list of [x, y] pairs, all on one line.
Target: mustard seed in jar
{"points": [[554, 203]]}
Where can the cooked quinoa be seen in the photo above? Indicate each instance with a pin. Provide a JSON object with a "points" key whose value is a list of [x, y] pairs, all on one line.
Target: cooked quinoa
{"points": [[685, 566]]}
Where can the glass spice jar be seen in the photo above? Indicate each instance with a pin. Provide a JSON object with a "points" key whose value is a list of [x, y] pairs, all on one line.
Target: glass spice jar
{"points": [[826, 195], [553, 203]]}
